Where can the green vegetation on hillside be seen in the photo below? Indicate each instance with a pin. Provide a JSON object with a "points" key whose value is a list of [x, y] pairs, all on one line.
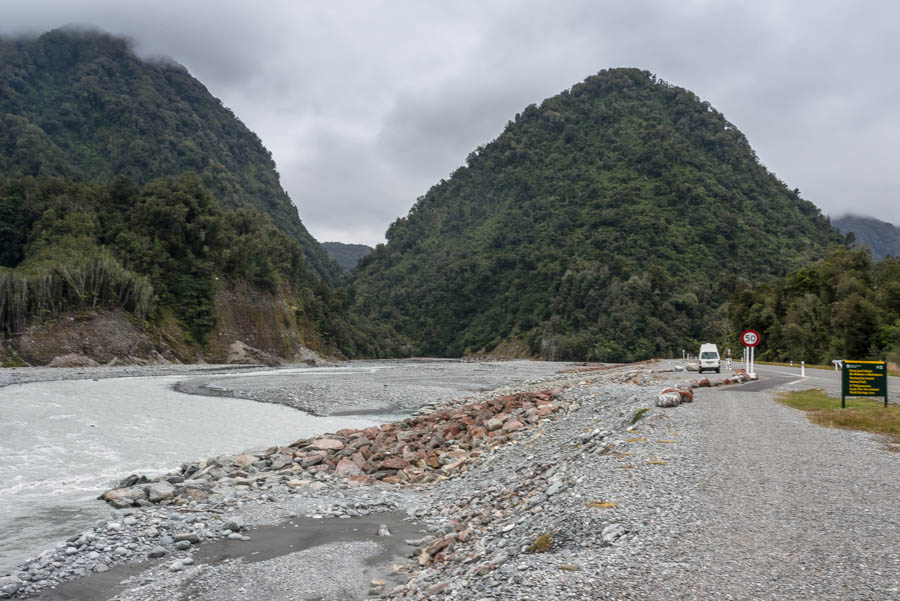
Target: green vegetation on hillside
{"points": [[842, 307], [67, 246], [607, 223], [81, 105]]}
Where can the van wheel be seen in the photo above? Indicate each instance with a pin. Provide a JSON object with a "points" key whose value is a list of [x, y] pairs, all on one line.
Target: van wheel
{"points": [[718, 370]]}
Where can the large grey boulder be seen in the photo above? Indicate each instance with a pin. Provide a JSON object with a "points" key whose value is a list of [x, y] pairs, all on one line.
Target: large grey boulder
{"points": [[160, 491], [668, 399]]}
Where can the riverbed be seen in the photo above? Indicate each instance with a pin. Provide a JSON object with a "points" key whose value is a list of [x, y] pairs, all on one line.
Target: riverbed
{"points": [[65, 442]]}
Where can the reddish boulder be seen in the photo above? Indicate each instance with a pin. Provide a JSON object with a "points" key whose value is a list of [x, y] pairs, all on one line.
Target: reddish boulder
{"points": [[512, 425], [393, 463], [327, 444], [346, 467]]}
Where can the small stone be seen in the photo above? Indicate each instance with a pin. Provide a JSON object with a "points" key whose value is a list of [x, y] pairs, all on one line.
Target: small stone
{"points": [[438, 588], [183, 545], [190, 537], [157, 551], [383, 530], [612, 533]]}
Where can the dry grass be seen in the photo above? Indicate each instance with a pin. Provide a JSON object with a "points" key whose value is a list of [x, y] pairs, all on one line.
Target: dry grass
{"points": [[542, 544], [861, 414], [601, 504]]}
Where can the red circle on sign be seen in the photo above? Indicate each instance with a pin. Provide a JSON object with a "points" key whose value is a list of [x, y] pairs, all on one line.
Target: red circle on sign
{"points": [[750, 337]]}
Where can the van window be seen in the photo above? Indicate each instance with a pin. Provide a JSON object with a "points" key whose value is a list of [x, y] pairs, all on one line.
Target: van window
{"points": [[709, 355]]}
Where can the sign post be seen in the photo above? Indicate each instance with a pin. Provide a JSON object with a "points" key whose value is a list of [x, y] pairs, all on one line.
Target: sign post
{"points": [[750, 338], [864, 378]]}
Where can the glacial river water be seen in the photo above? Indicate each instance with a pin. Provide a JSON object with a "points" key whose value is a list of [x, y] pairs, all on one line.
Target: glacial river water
{"points": [[62, 443]]}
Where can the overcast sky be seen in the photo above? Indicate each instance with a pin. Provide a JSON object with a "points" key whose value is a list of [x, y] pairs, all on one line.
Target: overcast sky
{"points": [[365, 105]]}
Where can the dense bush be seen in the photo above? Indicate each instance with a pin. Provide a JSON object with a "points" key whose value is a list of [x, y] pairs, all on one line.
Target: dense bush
{"points": [[842, 307], [168, 245]]}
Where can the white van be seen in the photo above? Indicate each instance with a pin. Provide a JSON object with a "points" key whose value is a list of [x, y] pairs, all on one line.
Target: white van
{"points": [[709, 358]]}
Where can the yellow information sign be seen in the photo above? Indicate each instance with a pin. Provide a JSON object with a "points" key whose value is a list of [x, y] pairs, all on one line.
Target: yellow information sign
{"points": [[864, 378]]}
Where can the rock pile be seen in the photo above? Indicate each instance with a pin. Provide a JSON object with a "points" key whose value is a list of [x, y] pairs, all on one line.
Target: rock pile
{"points": [[416, 450]]}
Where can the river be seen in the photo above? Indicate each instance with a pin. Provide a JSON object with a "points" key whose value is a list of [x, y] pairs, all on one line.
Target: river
{"points": [[64, 442]]}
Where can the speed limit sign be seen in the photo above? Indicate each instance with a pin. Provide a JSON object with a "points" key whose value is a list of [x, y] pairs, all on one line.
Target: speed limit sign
{"points": [[750, 337]]}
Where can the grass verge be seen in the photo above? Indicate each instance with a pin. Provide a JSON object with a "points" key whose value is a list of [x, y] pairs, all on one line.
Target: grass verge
{"points": [[860, 414]]}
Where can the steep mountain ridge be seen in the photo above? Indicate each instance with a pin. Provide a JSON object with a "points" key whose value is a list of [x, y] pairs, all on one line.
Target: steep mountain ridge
{"points": [[138, 211], [82, 105], [606, 223]]}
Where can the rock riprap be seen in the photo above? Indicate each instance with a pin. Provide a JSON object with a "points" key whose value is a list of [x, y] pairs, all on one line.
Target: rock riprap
{"points": [[417, 450]]}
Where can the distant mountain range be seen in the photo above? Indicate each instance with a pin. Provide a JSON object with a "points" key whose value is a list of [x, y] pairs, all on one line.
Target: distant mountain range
{"points": [[346, 255], [882, 238]]}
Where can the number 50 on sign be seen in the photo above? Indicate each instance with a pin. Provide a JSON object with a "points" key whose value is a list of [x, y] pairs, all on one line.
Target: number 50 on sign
{"points": [[750, 337]]}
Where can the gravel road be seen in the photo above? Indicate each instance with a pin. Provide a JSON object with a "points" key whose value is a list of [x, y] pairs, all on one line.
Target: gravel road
{"points": [[773, 507]]}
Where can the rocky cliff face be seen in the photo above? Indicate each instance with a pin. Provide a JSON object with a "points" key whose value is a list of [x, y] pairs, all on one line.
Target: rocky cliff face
{"points": [[252, 328], [258, 327]]}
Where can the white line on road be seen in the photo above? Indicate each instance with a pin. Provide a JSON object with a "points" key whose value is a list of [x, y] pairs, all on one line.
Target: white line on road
{"points": [[786, 373]]}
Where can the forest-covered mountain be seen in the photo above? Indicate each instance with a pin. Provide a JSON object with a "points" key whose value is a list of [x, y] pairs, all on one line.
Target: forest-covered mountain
{"points": [[607, 223], [81, 105], [131, 199], [882, 238], [845, 306], [346, 255]]}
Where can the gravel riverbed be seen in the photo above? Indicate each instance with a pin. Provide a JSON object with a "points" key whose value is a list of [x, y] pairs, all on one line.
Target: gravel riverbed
{"points": [[732, 496]]}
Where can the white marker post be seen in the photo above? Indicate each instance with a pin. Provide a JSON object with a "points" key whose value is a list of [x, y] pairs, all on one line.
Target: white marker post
{"points": [[803, 369]]}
